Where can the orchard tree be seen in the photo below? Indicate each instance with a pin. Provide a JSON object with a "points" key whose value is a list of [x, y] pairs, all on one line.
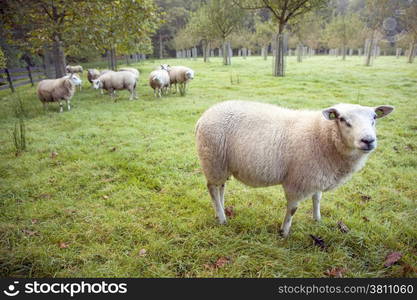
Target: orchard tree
{"points": [[119, 27], [264, 32], [2, 59], [410, 23], [283, 11]]}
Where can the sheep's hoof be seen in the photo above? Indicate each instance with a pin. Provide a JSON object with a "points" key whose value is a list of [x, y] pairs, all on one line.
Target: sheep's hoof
{"points": [[283, 234], [223, 222]]}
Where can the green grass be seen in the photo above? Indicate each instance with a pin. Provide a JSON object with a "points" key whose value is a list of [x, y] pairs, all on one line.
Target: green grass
{"points": [[127, 178]]}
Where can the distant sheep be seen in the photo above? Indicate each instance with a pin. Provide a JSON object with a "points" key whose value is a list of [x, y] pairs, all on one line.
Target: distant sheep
{"points": [[114, 81], [55, 90], [180, 75], [74, 69], [159, 81], [92, 74], [132, 70], [308, 152]]}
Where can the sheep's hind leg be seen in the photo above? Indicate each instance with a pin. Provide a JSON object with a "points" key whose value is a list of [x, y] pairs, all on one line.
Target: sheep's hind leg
{"points": [[61, 107], [316, 206], [69, 105], [214, 191], [221, 191]]}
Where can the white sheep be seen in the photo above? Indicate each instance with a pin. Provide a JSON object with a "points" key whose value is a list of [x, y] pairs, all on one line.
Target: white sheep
{"points": [[308, 152], [180, 75], [159, 81], [112, 81], [55, 90], [74, 69], [132, 70]]}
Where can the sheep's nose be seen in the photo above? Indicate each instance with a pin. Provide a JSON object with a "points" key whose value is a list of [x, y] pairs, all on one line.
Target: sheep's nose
{"points": [[368, 140]]}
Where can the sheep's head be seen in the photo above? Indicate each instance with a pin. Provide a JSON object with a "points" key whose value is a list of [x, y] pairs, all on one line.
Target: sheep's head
{"points": [[356, 124], [189, 74], [74, 79], [166, 67], [97, 84]]}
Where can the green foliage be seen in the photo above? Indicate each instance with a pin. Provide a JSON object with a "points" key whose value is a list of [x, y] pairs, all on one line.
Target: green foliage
{"points": [[126, 177], [19, 130]]}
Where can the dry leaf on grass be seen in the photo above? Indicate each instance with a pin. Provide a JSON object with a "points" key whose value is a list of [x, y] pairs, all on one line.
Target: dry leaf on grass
{"points": [[220, 263], [342, 227], [229, 211], [105, 197], [142, 252], [54, 154], [319, 242], [392, 258], [113, 149], [63, 245], [365, 218], [29, 232], [335, 272]]}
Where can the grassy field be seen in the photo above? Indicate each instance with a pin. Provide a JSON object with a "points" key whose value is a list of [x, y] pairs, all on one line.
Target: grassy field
{"points": [[124, 195]]}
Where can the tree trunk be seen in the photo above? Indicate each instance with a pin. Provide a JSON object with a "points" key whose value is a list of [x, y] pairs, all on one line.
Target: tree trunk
{"points": [[113, 60], [225, 53], [161, 47], [369, 48], [58, 57], [412, 53], [299, 53], [279, 54]]}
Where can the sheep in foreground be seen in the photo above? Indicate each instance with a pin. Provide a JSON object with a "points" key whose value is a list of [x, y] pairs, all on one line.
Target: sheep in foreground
{"points": [[159, 81], [180, 75], [115, 81], [308, 152], [55, 90], [74, 69], [132, 70]]}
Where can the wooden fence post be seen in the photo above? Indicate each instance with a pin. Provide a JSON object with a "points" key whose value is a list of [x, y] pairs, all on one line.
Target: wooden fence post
{"points": [[30, 75], [9, 79]]}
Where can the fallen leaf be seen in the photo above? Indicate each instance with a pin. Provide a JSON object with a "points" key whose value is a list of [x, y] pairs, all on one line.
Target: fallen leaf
{"points": [[319, 242], [342, 227], [105, 197], [63, 245], [222, 261], [408, 270], [366, 198], [392, 258], [229, 211], [34, 221], [335, 272], [142, 252], [365, 218], [107, 180], [54, 154], [29, 232], [113, 149], [44, 196]]}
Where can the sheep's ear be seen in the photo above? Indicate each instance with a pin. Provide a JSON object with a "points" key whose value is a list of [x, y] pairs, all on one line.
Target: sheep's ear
{"points": [[383, 110], [330, 113]]}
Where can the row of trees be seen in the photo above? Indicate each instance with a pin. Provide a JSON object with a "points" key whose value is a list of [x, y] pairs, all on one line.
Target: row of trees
{"points": [[320, 25], [66, 28]]}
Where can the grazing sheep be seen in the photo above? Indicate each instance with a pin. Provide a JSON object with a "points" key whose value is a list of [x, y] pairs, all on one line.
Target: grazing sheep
{"points": [[112, 81], [74, 69], [180, 75], [308, 152], [159, 81], [93, 74], [132, 70], [55, 90]]}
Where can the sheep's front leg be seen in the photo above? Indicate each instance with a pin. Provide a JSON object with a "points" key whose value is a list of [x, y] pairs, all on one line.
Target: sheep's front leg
{"points": [[217, 202], [69, 104], [292, 204], [316, 206], [221, 190]]}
